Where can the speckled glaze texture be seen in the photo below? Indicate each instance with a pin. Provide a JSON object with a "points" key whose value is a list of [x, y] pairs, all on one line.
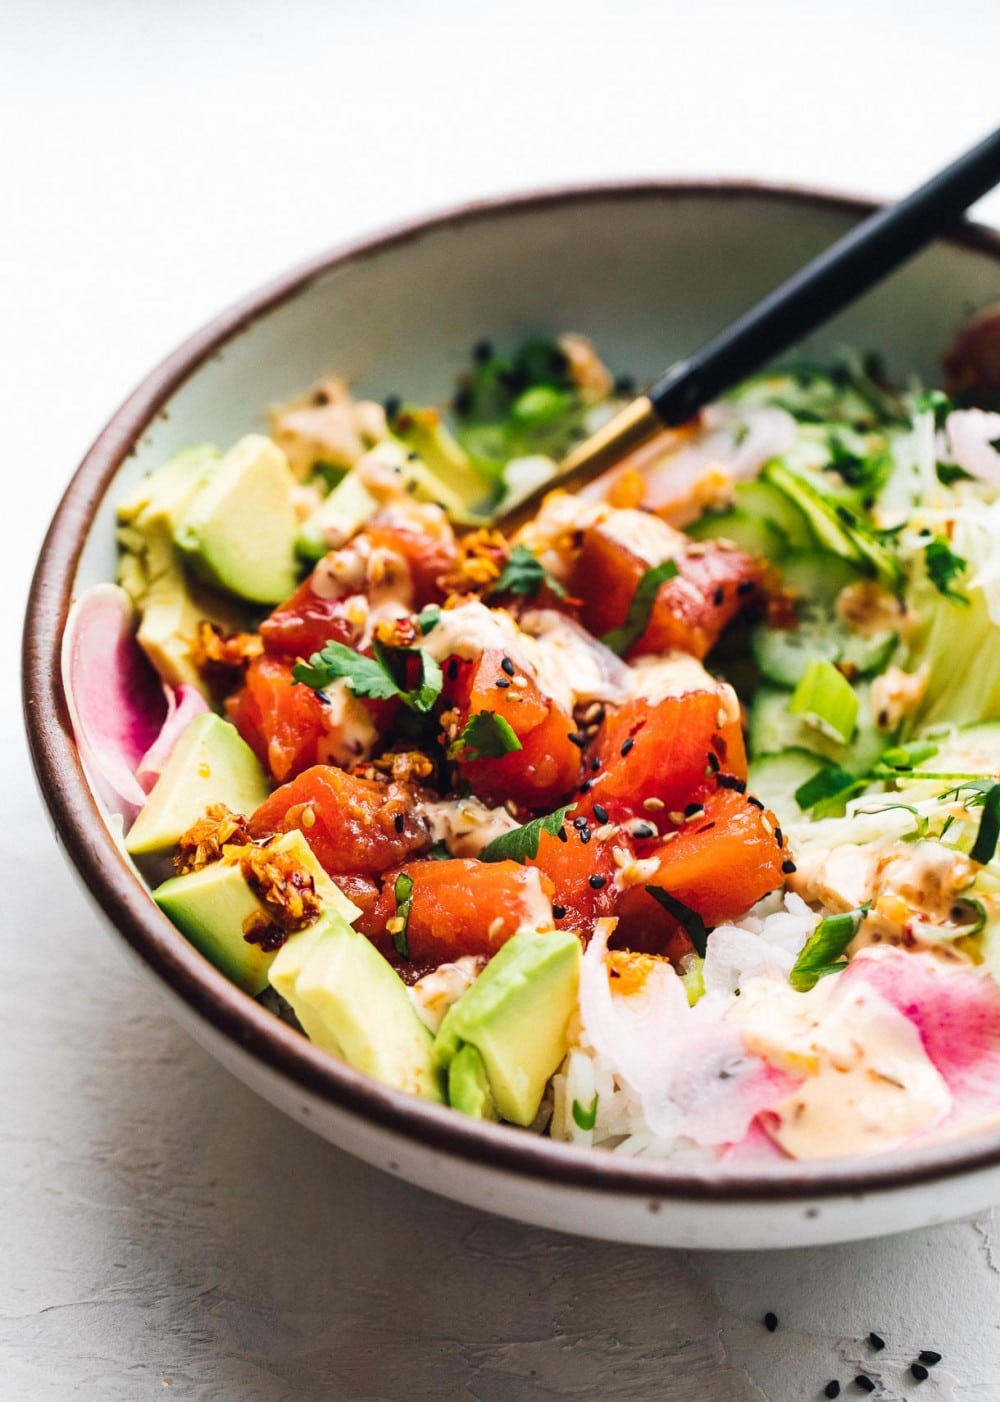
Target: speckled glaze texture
{"points": [[648, 271]]}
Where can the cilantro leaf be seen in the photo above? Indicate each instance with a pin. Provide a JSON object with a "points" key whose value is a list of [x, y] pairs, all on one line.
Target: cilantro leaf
{"points": [[822, 951], [524, 574], [403, 893], [485, 735], [943, 567], [366, 676], [429, 617], [697, 931], [522, 843], [637, 619], [585, 1119], [379, 677]]}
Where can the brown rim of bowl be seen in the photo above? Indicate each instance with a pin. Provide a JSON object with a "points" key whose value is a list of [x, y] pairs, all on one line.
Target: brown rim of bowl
{"points": [[126, 903]]}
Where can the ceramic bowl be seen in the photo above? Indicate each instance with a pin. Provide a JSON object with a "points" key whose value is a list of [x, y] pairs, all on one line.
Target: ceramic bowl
{"points": [[648, 271]]}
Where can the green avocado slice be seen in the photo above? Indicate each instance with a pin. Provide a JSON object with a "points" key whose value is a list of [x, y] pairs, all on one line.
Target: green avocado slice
{"points": [[237, 533], [210, 763], [515, 1015], [211, 907], [350, 1000]]}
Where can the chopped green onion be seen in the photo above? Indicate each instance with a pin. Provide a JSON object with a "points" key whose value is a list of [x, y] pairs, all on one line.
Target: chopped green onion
{"points": [[823, 694], [825, 783], [585, 1119], [822, 951]]}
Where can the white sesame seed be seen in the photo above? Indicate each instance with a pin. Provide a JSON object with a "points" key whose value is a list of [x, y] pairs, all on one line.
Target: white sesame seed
{"points": [[653, 805], [496, 927]]}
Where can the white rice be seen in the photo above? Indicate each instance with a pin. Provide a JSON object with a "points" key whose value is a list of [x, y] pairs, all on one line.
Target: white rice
{"points": [[673, 1081]]}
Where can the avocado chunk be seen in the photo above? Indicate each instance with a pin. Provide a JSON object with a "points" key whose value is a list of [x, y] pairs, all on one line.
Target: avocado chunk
{"points": [[237, 532], [469, 1086], [210, 763], [350, 504], [169, 604], [212, 906], [423, 431], [515, 1015], [350, 1001]]}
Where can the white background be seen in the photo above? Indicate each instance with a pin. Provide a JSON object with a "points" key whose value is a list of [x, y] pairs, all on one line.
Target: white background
{"points": [[164, 1233]]}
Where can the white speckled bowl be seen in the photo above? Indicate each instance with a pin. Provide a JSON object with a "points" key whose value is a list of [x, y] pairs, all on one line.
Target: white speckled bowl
{"points": [[648, 271]]}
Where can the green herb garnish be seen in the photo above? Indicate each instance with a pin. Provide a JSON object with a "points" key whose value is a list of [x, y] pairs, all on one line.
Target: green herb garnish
{"points": [[936, 402], [943, 567], [823, 950], [831, 782], [697, 931], [403, 892], [485, 735], [429, 618], [985, 846], [379, 677], [639, 610], [585, 1119], [524, 574], [522, 843]]}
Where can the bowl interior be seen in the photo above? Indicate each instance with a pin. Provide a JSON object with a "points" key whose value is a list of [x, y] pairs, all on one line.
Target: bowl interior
{"points": [[649, 273]]}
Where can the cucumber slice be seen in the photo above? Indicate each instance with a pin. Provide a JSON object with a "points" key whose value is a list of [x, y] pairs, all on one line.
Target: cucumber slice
{"points": [[755, 534], [761, 500], [816, 578], [869, 656], [782, 654], [835, 525], [775, 778], [773, 729]]}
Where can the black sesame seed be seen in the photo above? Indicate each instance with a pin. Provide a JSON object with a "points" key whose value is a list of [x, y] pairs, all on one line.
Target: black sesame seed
{"points": [[788, 867], [920, 1373], [770, 1322], [730, 781], [754, 800], [863, 1383], [452, 669], [576, 738], [398, 822], [929, 1356], [692, 809], [642, 830], [712, 761], [586, 786], [392, 406], [627, 746], [877, 1342], [832, 1389], [719, 596], [624, 384], [779, 837], [595, 764], [502, 682], [745, 587], [563, 835], [585, 835], [558, 912], [600, 813], [597, 881], [482, 351], [508, 666], [580, 823]]}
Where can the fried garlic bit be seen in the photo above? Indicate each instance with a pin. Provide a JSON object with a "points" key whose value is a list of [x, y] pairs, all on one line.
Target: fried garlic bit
{"points": [[403, 766], [482, 556], [287, 891], [217, 651], [204, 840]]}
